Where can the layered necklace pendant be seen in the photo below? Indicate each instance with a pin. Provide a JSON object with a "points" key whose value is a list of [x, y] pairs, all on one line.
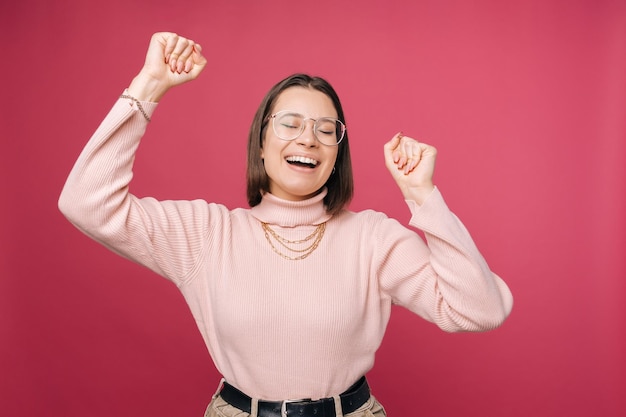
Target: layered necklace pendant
{"points": [[297, 249]]}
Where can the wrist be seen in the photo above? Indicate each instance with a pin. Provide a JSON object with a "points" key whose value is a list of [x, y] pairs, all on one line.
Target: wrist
{"points": [[146, 88], [419, 194]]}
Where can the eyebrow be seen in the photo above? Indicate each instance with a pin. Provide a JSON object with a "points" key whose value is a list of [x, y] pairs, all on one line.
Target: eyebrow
{"points": [[300, 114]]}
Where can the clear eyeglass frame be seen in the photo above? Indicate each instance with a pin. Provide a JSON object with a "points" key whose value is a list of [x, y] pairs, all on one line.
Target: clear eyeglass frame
{"points": [[340, 127]]}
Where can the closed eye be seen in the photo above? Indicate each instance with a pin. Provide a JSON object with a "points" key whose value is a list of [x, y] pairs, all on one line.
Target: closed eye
{"points": [[326, 132]]}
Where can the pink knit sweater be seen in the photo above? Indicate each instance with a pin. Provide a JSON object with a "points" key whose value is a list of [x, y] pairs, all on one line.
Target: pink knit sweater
{"points": [[278, 328]]}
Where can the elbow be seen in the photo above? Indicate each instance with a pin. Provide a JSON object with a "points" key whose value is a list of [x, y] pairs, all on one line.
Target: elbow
{"points": [[479, 309], [493, 320], [484, 317], [69, 207], [493, 310], [97, 217], [502, 305], [77, 210], [63, 203], [494, 313]]}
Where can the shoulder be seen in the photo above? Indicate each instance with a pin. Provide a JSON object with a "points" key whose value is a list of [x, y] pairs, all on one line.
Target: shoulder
{"points": [[198, 210], [369, 220], [346, 215]]}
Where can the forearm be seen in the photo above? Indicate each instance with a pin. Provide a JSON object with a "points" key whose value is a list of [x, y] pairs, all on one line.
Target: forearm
{"points": [[97, 187], [469, 296]]}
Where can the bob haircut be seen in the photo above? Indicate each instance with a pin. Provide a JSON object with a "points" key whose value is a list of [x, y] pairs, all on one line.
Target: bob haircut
{"points": [[340, 184]]}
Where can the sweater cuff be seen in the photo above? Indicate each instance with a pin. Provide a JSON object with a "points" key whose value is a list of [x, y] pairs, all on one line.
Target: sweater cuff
{"points": [[148, 106], [431, 211]]}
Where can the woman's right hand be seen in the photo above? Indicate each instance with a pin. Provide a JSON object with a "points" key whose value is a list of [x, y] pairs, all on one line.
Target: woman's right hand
{"points": [[171, 60]]}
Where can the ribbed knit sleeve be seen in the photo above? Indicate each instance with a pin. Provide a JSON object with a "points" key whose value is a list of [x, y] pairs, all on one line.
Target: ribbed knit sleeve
{"points": [[167, 237], [446, 281]]}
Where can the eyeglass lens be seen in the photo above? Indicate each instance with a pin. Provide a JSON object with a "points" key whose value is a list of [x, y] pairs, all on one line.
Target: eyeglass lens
{"points": [[289, 126]]}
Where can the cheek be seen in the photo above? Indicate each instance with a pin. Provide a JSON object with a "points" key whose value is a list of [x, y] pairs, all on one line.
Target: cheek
{"points": [[271, 156], [272, 148], [333, 157]]}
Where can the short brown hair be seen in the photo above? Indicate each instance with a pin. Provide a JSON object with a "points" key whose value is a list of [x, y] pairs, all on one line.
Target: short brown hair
{"points": [[340, 184]]}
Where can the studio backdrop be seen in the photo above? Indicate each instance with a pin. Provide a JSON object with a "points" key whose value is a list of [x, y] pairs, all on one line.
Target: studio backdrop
{"points": [[524, 100]]}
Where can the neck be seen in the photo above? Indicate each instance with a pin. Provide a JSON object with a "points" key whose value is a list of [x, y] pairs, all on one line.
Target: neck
{"points": [[274, 210]]}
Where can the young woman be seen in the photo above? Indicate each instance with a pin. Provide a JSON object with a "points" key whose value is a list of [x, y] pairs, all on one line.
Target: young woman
{"points": [[292, 296]]}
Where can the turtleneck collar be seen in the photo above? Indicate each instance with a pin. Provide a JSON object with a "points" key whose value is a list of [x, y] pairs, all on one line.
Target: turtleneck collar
{"points": [[286, 213]]}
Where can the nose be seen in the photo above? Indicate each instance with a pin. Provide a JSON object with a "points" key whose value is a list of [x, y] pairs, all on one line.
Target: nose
{"points": [[307, 137]]}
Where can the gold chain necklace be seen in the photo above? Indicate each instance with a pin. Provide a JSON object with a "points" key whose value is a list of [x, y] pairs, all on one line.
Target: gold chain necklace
{"points": [[316, 236]]}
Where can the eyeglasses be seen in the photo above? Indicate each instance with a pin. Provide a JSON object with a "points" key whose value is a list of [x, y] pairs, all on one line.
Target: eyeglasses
{"points": [[288, 125]]}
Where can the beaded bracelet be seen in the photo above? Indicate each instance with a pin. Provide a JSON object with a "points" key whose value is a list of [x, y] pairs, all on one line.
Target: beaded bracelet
{"points": [[139, 106]]}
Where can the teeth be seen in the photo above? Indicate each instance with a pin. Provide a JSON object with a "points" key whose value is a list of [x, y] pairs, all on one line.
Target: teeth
{"points": [[302, 160]]}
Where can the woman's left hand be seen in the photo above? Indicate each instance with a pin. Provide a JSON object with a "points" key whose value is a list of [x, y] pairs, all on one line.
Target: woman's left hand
{"points": [[411, 164]]}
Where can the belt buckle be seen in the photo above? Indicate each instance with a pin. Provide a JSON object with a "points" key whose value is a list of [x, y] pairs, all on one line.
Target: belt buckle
{"points": [[283, 405]]}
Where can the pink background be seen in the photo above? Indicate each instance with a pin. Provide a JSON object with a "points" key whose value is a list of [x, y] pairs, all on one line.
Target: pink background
{"points": [[525, 100]]}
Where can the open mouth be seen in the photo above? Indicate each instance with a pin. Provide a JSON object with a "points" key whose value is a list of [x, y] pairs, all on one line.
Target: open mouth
{"points": [[302, 161]]}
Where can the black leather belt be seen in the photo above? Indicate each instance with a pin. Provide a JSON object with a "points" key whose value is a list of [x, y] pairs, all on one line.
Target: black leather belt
{"points": [[353, 398]]}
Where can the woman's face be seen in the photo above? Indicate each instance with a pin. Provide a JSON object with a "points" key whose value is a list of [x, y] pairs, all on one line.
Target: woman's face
{"points": [[299, 168]]}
